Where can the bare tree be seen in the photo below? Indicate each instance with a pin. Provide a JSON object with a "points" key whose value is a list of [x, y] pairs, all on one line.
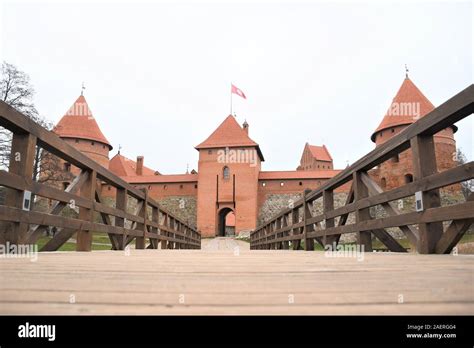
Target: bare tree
{"points": [[17, 91], [467, 186]]}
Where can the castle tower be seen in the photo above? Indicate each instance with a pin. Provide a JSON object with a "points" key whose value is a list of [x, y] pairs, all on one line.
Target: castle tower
{"points": [[79, 128], [229, 166], [407, 107]]}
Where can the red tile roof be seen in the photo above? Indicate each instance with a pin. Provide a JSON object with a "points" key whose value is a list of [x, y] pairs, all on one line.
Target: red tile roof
{"points": [[158, 179], [123, 166], [298, 174], [320, 153], [78, 122], [229, 134], [408, 93]]}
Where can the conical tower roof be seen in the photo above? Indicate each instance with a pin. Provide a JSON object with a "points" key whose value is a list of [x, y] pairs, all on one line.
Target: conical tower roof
{"points": [[229, 134], [79, 123], [408, 105]]}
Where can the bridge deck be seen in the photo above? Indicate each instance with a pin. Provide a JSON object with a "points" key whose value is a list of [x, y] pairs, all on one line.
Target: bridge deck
{"points": [[219, 282]]}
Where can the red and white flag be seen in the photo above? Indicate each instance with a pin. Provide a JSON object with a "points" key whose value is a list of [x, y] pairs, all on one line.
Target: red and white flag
{"points": [[238, 91]]}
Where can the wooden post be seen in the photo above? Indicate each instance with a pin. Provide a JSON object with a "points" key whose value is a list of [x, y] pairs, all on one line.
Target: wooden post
{"points": [[154, 218], [285, 244], [328, 206], [360, 191], [164, 242], [141, 241], [424, 164], [295, 217], [84, 237], [121, 204], [22, 157], [308, 242]]}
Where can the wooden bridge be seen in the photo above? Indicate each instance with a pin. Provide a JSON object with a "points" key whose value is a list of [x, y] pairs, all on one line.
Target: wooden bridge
{"points": [[241, 279], [299, 226]]}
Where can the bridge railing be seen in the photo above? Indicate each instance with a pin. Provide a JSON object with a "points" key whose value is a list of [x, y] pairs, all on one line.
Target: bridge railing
{"points": [[431, 228], [149, 225]]}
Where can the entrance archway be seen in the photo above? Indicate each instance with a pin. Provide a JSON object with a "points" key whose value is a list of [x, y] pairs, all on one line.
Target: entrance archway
{"points": [[226, 223]]}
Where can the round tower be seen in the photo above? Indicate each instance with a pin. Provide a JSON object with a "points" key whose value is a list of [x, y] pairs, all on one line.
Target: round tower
{"points": [[407, 107], [79, 128]]}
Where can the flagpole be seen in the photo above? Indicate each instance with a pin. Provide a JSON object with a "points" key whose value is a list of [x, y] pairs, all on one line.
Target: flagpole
{"points": [[231, 98]]}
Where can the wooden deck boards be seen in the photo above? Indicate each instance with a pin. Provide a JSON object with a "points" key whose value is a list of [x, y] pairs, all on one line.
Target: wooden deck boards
{"points": [[219, 282]]}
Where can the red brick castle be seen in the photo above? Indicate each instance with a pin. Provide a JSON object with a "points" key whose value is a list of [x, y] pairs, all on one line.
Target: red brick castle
{"points": [[230, 193]]}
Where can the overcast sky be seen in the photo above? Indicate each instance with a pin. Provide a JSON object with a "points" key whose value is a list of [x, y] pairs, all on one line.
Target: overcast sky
{"points": [[158, 75]]}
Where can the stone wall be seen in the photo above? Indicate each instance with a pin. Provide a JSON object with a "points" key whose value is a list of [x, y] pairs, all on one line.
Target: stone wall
{"points": [[183, 207], [277, 202]]}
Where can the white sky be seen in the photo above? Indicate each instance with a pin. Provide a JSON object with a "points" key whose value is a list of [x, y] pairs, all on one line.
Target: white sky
{"points": [[158, 75]]}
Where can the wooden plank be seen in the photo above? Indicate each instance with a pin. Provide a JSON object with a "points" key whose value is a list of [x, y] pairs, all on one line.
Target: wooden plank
{"points": [[454, 233], [453, 212], [121, 198], [424, 164], [84, 236], [22, 158], [410, 232], [364, 237], [36, 230]]}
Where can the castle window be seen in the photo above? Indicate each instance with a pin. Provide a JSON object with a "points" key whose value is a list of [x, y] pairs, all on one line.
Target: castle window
{"points": [[149, 187], [180, 186], [395, 159], [383, 182], [164, 187], [103, 146], [65, 185], [77, 140], [408, 178], [393, 130], [209, 152], [109, 188], [67, 167], [301, 183], [282, 183], [264, 184], [226, 173], [195, 186], [92, 143]]}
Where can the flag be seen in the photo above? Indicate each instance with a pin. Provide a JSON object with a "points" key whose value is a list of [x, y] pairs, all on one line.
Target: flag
{"points": [[238, 91]]}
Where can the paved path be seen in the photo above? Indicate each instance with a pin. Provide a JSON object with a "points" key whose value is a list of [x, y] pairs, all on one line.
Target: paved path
{"points": [[216, 281], [224, 243]]}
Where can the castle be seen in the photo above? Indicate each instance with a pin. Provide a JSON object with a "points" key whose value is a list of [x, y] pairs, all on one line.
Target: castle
{"points": [[230, 193]]}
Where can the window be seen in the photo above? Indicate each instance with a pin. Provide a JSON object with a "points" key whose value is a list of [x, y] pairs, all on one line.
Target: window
{"points": [[164, 187], [408, 178], [180, 186], [195, 186], [65, 185], [282, 183], [226, 173], [108, 188], [301, 183], [77, 140], [149, 187], [67, 167], [264, 184], [92, 143], [209, 152], [393, 130], [395, 159]]}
